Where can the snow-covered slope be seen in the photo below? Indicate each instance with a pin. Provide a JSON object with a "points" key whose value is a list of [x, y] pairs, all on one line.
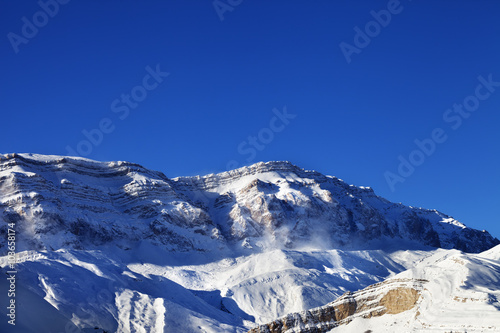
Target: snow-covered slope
{"points": [[123, 248], [122, 290], [449, 291]]}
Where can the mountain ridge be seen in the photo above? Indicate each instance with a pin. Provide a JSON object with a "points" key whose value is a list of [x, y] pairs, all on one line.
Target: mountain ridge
{"points": [[266, 204]]}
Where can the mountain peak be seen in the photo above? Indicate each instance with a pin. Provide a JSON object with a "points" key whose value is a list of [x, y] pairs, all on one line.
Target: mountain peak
{"points": [[258, 167]]}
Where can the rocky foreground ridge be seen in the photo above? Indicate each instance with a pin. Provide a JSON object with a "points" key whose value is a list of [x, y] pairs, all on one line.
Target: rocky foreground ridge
{"points": [[449, 291], [67, 202], [388, 297]]}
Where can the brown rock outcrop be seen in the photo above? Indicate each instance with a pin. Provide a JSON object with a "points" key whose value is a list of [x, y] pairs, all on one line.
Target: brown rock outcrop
{"points": [[392, 297]]}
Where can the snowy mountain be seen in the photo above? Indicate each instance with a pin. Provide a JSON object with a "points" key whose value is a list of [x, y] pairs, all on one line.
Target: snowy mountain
{"points": [[114, 246], [449, 291], [64, 202]]}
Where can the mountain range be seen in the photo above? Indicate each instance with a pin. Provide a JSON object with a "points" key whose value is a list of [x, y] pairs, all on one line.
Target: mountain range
{"points": [[116, 247]]}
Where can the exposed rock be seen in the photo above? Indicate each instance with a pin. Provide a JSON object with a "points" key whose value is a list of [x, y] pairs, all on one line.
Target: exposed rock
{"points": [[391, 297]]}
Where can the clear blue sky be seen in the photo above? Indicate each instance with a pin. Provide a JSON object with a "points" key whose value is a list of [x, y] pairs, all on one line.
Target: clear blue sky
{"points": [[226, 76]]}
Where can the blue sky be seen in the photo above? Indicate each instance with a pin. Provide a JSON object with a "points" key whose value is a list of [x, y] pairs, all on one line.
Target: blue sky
{"points": [[253, 81]]}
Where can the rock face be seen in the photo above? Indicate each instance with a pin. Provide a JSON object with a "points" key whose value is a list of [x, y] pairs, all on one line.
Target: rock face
{"points": [[65, 202], [391, 297], [59, 202]]}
